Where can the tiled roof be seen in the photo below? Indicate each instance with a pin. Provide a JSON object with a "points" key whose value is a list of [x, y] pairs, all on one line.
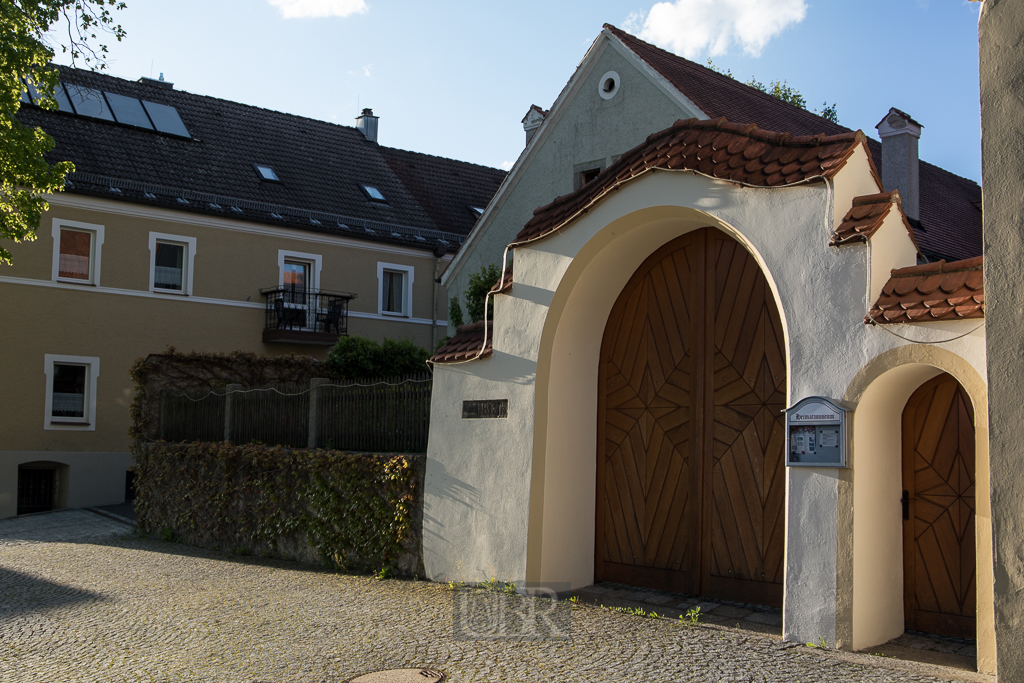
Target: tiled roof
{"points": [[504, 284], [931, 292], [730, 151], [866, 216], [445, 188], [321, 166], [950, 223], [465, 345]]}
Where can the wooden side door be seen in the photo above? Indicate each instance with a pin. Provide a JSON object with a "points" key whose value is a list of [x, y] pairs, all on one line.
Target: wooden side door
{"points": [[939, 589], [690, 433]]}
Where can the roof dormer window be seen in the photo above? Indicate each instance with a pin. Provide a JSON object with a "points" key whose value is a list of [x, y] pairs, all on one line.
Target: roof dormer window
{"points": [[373, 193], [266, 172]]}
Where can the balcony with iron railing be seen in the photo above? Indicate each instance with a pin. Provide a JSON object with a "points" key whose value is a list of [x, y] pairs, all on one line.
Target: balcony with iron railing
{"points": [[301, 316]]}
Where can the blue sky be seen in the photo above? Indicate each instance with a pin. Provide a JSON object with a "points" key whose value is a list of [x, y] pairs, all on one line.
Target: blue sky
{"points": [[456, 78]]}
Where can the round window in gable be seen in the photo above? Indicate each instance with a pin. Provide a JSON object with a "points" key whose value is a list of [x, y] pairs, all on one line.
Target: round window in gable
{"points": [[608, 86]]}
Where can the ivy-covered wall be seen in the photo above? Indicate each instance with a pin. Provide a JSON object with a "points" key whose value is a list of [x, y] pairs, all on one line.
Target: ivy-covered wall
{"points": [[352, 511]]}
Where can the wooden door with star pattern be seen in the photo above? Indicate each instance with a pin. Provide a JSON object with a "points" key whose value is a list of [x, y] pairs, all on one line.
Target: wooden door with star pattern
{"points": [[939, 588], [691, 485]]}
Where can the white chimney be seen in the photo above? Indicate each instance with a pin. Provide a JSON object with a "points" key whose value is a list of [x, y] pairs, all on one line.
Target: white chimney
{"points": [[900, 133], [532, 121], [367, 124]]}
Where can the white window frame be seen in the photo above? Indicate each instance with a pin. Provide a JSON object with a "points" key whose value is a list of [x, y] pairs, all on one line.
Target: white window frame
{"points": [[187, 263], [92, 373], [316, 262], [409, 272], [95, 250]]}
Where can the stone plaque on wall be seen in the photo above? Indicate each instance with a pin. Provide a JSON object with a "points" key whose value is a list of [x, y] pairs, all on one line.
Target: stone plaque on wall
{"points": [[492, 408]]}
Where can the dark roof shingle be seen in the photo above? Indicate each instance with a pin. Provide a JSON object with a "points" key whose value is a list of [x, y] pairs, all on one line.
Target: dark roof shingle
{"points": [[321, 165]]}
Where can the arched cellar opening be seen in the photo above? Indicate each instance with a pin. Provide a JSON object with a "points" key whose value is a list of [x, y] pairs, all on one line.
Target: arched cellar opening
{"points": [[690, 470]]}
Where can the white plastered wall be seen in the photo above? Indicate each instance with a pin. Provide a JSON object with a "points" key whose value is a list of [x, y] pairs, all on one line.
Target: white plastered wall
{"points": [[547, 341], [880, 391]]}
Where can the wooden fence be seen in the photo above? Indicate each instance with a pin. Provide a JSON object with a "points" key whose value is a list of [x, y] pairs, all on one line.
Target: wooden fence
{"points": [[384, 415]]}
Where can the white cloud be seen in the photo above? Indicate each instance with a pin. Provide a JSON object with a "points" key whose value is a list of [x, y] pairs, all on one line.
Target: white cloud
{"points": [[507, 165], [305, 9], [693, 28], [366, 70]]}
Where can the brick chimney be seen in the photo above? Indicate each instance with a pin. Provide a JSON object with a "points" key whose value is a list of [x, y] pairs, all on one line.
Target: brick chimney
{"points": [[367, 124], [532, 121], [900, 133]]}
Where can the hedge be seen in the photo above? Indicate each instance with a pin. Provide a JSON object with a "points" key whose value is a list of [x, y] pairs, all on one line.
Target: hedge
{"points": [[350, 511]]}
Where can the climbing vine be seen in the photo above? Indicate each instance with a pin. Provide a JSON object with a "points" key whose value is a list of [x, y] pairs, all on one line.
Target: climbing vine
{"points": [[349, 510]]}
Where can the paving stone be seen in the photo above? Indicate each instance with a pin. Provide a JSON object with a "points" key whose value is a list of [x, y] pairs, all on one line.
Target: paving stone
{"points": [[730, 612], [658, 598], [595, 590], [82, 601], [765, 618]]}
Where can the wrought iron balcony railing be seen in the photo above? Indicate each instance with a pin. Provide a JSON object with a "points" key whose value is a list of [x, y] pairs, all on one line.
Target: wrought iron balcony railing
{"points": [[302, 316]]}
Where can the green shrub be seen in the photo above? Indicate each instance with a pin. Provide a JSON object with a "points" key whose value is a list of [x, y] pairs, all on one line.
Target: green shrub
{"points": [[362, 358]]}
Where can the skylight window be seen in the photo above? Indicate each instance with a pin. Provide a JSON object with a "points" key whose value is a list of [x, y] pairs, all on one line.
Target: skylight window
{"points": [[266, 172], [373, 193]]}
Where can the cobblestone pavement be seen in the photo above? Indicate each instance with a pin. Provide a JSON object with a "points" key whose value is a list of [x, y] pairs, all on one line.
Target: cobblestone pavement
{"points": [[84, 599]]}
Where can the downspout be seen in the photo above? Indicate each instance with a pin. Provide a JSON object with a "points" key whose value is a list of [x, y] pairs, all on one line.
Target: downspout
{"points": [[439, 254]]}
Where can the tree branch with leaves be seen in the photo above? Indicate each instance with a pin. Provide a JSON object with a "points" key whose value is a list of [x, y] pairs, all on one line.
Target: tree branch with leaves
{"points": [[27, 48]]}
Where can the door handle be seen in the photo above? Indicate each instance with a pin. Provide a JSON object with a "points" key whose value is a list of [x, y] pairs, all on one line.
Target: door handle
{"points": [[906, 504]]}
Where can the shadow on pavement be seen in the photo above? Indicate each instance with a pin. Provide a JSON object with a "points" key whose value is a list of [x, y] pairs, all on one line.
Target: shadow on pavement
{"points": [[21, 592]]}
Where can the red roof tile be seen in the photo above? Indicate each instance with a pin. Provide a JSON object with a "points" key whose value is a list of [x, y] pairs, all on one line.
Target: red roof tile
{"points": [[739, 153], [866, 216], [931, 292], [466, 343], [504, 285], [950, 223]]}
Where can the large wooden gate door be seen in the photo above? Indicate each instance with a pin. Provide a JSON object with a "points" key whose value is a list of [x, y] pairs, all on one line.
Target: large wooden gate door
{"points": [[690, 430], [939, 591]]}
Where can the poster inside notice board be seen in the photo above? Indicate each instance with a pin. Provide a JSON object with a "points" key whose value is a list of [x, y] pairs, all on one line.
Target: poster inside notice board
{"points": [[816, 433]]}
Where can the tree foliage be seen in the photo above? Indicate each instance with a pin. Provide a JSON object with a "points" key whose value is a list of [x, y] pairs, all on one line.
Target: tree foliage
{"points": [[26, 51], [785, 92], [480, 283], [362, 358]]}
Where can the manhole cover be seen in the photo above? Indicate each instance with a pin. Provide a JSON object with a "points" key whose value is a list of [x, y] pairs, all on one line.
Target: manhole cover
{"points": [[403, 676]]}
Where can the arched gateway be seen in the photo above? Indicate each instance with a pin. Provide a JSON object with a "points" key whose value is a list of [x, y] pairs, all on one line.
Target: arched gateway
{"points": [[690, 471]]}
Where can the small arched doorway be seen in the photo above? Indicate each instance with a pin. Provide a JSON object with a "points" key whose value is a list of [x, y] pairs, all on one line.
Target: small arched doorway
{"points": [[690, 471], [939, 563]]}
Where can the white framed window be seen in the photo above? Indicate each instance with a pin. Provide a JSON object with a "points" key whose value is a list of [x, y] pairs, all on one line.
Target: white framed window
{"points": [[299, 280], [298, 271], [71, 392], [171, 259], [77, 248], [394, 289]]}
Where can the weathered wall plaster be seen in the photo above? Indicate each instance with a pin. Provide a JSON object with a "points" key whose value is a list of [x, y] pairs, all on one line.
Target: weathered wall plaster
{"points": [[1001, 34]]}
